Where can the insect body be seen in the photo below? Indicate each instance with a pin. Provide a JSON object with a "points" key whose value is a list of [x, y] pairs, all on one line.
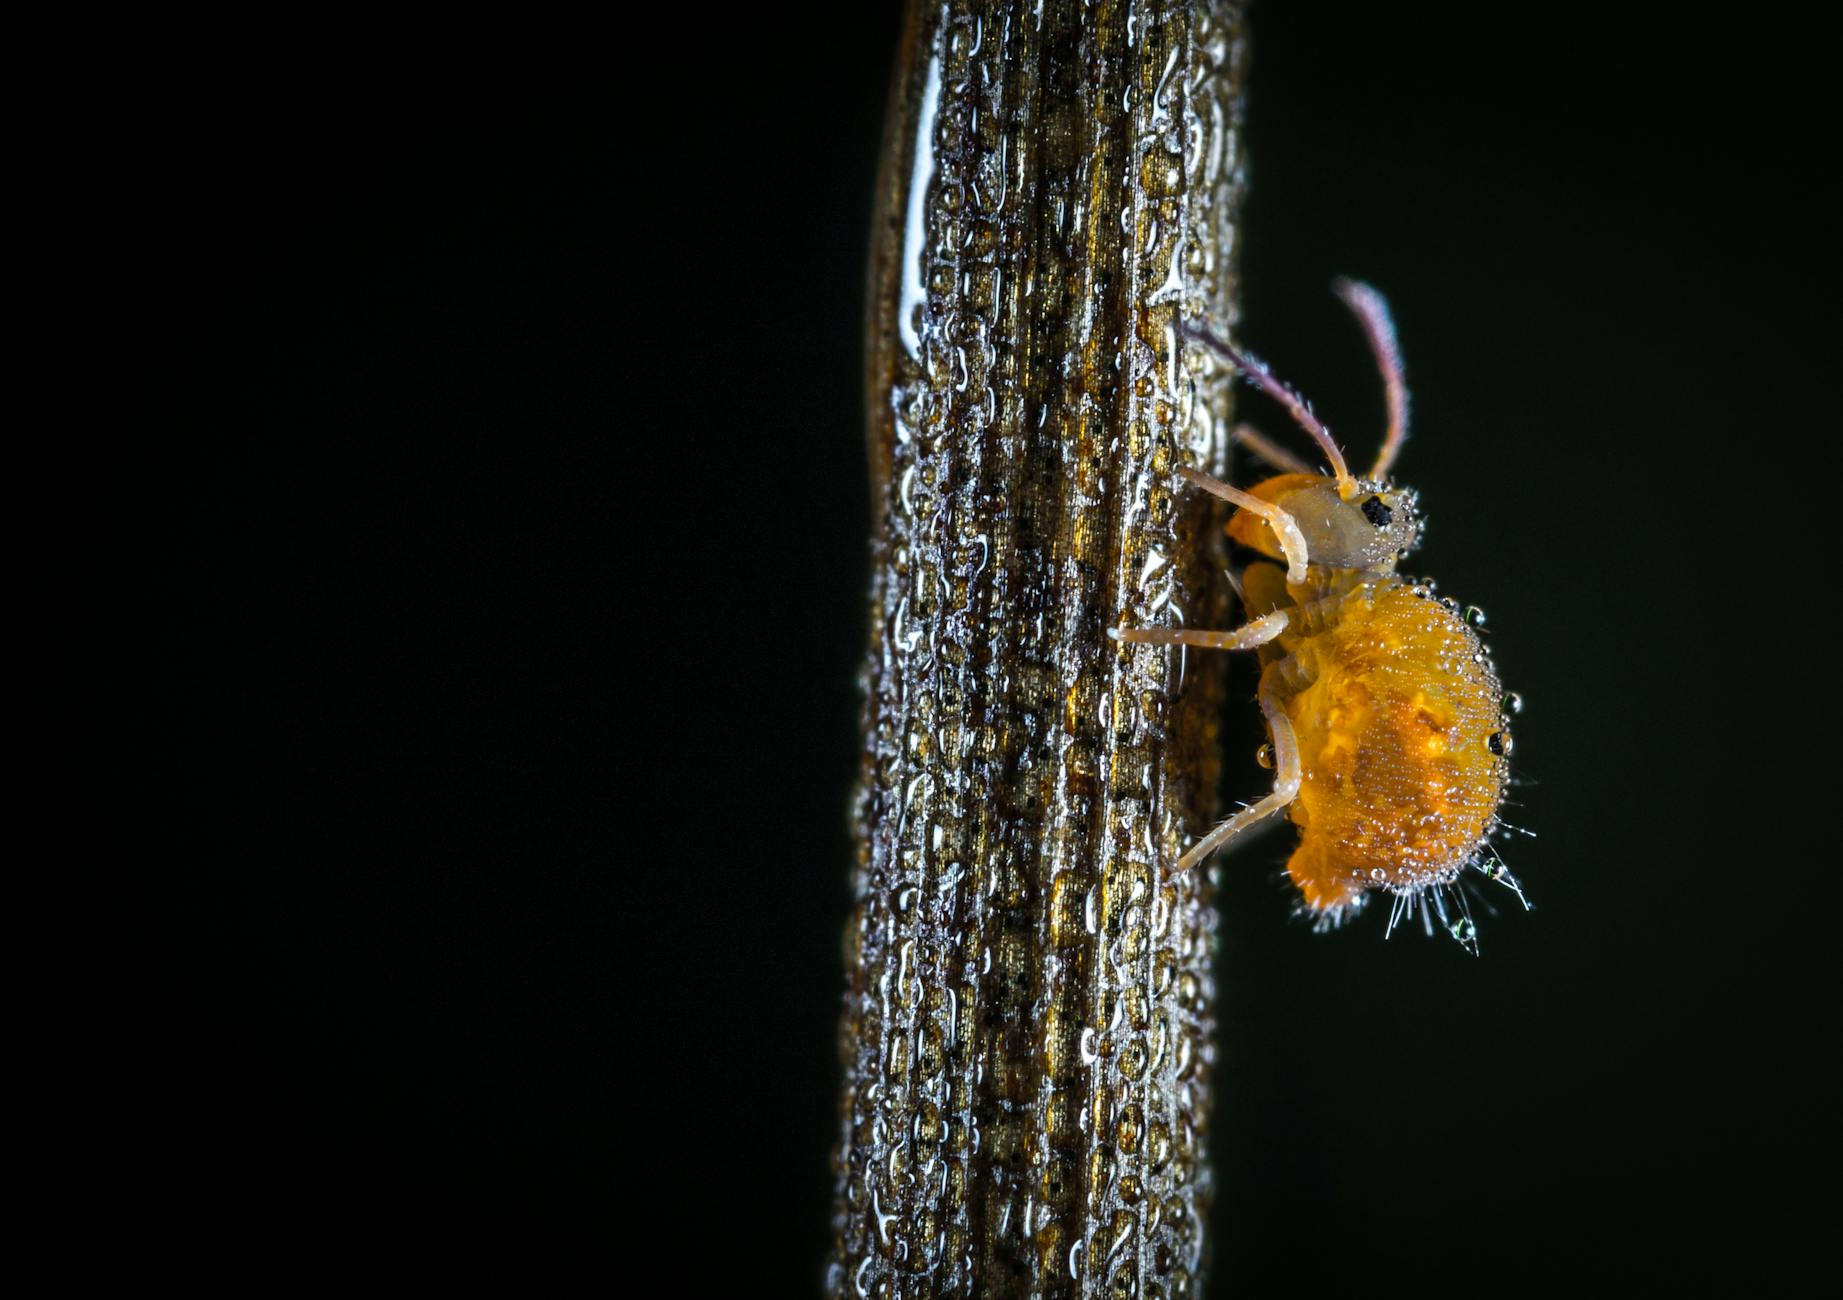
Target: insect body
{"points": [[1388, 731]]}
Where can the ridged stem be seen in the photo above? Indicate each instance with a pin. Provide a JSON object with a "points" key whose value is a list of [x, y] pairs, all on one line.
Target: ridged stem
{"points": [[1028, 1037]]}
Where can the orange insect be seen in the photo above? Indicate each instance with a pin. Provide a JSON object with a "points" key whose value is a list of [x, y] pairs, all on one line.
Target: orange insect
{"points": [[1387, 724]]}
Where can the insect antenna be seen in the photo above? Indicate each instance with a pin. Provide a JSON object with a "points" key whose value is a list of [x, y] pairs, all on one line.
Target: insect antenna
{"points": [[1256, 372], [1372, 313]]}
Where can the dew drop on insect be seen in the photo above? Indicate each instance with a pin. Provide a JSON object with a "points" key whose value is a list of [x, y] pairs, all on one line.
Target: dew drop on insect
{"points": [[1474, 616], [1265, 756], [1513, 702], [1498, 742]]}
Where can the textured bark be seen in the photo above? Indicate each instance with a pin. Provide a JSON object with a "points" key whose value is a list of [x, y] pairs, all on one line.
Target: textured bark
{"points": [[1027, 1035]]}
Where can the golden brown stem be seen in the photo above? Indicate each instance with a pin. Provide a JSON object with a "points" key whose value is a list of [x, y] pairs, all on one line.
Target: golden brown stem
{"points": [[1027, 1029]]}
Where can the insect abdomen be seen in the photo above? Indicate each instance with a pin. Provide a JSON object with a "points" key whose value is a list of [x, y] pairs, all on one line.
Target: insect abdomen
{"points": [[1401, 739]]}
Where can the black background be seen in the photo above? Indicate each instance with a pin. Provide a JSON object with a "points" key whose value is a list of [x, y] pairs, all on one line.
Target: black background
{"points": [[446, 466]]}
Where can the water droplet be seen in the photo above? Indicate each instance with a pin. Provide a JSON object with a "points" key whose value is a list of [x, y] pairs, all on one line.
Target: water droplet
{"points": [[1513, 702], [1189, 987], [928, 1127], [1132, 936], [1499, 743], [1158, 1146], [1265, 756], [1130, 1128], [1133, 1004], [1474, 616], [1164, 971]]}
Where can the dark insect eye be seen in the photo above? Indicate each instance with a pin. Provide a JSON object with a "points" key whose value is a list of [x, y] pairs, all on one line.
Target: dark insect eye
{"points": [[1376, 510]]}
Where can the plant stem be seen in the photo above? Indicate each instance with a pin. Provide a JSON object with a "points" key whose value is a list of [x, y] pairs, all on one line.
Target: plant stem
{"points": [[1027, 1036]]}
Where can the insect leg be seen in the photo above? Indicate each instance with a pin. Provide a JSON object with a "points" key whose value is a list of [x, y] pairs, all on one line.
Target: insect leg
{"points": [[1254, 633], [1268, 450], [1292, 541], [1286, 781]]}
